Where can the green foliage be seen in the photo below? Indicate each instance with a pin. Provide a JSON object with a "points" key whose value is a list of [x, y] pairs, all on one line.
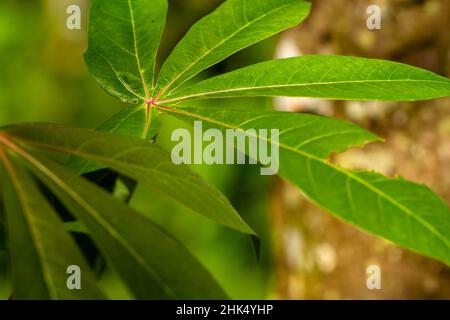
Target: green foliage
{"points": [[36, 235], [328, 77], [124, 37], [235, 25], [403, 212], [146, 257], [138, 159]]}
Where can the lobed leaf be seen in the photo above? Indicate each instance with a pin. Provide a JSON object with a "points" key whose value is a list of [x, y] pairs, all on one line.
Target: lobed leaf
{"points": [[322, 76], [408, 214], [40, 249], [235, 25]]}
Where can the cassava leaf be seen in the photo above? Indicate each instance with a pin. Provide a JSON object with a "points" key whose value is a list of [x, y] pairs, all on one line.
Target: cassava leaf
{"points": [[40, 249], [327, 76], [235, 25], [138, 159], [124, 36], [152, 263], [408, 214]]}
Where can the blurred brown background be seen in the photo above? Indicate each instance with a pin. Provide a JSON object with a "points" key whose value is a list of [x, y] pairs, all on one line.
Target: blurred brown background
{"points": [[317, 255]]}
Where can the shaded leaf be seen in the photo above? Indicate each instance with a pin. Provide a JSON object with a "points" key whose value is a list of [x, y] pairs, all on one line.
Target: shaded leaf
{"points": [[40, 249], [151, 262], [2, 238], [328, 77], [235, 25], [75, 226], [139, 160]]}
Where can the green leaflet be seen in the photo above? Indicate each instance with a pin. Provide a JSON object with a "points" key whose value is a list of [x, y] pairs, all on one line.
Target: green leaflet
{"points": [[138, 159], [124, 36], [408, 214], [40, 249], [314, 134], [152, 264], [328, 77], [235, 25]]}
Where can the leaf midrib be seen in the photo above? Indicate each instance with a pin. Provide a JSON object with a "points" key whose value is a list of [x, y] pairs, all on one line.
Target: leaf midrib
{"points": [[380, 193], [51, 286], [155, 172], [243, 89], [144, 84]]}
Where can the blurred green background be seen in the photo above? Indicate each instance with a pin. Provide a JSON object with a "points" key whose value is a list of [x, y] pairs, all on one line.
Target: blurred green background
{"points": [[43, 79]]}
